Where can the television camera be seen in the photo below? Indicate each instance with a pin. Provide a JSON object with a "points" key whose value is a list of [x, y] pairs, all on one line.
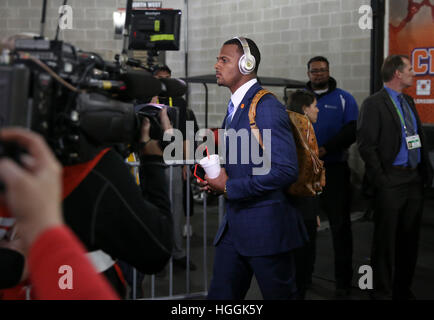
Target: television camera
{"points": [[79, 102]]}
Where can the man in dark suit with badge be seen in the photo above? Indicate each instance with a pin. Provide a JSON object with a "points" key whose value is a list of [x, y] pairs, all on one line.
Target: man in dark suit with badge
{"points": [[392, 144]]}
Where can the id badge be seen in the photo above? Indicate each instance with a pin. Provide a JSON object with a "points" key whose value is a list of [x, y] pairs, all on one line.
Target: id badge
{"points": [[413, 142]]}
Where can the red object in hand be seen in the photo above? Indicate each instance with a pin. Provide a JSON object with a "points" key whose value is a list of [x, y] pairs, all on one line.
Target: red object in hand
{"points": [[199, 174]]}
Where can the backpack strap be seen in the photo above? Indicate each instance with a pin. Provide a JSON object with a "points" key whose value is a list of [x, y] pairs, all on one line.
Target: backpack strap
{"points": [[252, 115]]}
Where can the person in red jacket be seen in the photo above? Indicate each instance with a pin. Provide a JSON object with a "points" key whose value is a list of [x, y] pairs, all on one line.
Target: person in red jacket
{"points": [[57, 265]]}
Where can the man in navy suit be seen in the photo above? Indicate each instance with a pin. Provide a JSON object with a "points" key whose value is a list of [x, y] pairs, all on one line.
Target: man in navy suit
{"points": [[260, 228]]}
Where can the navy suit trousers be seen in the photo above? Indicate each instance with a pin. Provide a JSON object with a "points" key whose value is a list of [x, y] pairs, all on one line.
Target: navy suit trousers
{"points": [[233, 273]]}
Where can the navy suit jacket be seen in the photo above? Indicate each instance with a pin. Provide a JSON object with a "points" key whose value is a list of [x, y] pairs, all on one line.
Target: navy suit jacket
{"points": [[258, 212]]}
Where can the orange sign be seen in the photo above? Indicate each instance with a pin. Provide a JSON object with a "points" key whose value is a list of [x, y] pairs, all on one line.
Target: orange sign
{"points": [[411, 30]]}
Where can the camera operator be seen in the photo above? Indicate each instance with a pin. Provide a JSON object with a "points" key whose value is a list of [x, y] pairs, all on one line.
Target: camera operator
{"points": [[106, 210], [33, 196], [179, 175], [109, 212]]}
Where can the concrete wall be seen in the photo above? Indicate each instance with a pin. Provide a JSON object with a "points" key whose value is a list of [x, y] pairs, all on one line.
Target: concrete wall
{"points": [[288, 33]]}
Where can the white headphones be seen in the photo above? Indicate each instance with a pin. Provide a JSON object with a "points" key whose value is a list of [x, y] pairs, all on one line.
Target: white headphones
{"points": [[247, 62]]}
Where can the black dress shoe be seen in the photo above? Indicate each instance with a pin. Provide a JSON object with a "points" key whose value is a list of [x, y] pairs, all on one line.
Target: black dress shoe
{"points": [[182, 263]]}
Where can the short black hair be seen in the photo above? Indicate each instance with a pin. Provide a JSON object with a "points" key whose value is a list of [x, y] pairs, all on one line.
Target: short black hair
{"points": [[300, 99], [317, 59], [254, 50], [391, 64], [162, 67]]}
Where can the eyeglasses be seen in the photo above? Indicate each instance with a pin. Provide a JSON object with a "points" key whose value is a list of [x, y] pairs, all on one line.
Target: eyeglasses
{"points": [[315, 71]]}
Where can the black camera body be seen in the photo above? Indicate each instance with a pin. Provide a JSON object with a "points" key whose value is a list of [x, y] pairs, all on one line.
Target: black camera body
{"points": [[76, 100], [49, 107], [152, 112], [14, 152]]}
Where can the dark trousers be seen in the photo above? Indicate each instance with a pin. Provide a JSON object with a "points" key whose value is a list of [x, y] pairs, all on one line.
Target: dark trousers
{"points": [[335, 202], [397, 217], [232, 273], [305, 259]]}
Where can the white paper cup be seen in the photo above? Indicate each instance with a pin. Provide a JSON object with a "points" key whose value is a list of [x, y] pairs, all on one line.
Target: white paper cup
{"points": [[211, 166]]}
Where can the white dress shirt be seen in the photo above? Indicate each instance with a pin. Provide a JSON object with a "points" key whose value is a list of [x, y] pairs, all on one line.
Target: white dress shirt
{"points": [[239, 94]]}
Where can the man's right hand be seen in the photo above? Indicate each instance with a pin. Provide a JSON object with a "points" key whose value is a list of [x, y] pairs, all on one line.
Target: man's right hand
{"points": [[204, 186], [151, 146], [165, 121]]}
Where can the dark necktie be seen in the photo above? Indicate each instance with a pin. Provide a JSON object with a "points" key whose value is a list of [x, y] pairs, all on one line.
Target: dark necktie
{"points": [[412, 154], [230, 112]]}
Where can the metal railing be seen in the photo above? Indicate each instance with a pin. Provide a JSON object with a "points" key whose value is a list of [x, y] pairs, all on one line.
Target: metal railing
{"points": [[188, 294]]}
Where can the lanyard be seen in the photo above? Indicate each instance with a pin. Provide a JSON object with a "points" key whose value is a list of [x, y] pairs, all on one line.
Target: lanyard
{"points": [[170, 101], [400, 114]]}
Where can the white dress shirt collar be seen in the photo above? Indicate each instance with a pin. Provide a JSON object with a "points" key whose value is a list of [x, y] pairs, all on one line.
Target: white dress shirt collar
{"points": [[239, 94]]}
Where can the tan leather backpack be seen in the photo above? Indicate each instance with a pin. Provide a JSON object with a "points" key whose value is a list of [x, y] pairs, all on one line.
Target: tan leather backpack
{"points": [[311, 172]]}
